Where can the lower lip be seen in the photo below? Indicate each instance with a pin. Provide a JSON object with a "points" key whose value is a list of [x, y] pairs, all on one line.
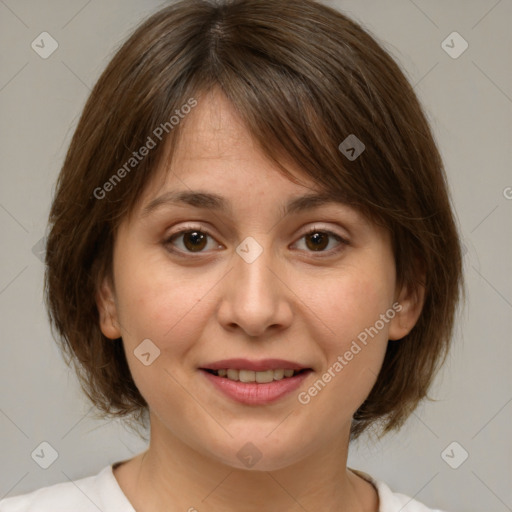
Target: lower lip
{"points": [[253, 393]]}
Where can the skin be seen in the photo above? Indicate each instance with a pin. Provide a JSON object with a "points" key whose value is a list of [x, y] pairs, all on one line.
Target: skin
{"points": [[292, 302]]}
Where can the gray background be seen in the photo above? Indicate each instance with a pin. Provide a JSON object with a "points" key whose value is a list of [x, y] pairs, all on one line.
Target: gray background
{"points": [[468, 101]]}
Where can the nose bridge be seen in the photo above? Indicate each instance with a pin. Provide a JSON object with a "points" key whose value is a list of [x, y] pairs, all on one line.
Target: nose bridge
{"points": [[252, 270], [254, 296]]}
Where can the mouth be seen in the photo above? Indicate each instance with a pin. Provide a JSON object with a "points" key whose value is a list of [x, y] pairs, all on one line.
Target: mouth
{"points": [[255, 383], [261, 377]]}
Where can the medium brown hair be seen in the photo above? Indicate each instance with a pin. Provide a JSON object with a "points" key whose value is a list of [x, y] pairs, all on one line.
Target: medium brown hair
{"points": [[303, 77]]}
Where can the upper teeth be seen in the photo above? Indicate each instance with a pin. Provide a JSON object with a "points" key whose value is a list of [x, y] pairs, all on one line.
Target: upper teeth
{"points": [[252, 376]]}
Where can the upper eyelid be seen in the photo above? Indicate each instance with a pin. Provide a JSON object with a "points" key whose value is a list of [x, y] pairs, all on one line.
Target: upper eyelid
{"points": [[203, 228], [325, 230]]}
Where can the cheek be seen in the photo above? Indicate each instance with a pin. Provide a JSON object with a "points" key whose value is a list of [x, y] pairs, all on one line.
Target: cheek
{"points": [[171, 309], [349, 303], [158, 304], [352, 338]]}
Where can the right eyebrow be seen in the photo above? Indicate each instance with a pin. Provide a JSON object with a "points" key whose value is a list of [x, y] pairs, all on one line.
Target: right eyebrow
{"points": [[198, 199]]}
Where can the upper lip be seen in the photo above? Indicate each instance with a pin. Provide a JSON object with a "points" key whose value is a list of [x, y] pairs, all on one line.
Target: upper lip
{"points": [[257, 366]]}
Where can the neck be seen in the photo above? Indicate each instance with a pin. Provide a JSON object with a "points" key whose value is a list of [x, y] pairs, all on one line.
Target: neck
{"points": [[171, 475]]}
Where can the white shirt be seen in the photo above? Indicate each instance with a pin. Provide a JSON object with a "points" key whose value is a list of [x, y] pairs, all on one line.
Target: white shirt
{"points": [[102, 492]]}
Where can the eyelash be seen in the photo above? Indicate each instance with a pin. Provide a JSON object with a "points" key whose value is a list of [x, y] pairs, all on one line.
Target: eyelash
{"points": [[168, 241]]}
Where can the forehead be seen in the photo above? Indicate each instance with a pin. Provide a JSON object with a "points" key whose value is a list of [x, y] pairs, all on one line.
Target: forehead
{"points": [[214, 149], [214, 130]]}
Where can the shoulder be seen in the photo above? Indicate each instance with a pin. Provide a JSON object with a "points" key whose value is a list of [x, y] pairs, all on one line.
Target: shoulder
{"points": [[84, 495], [390, 501]]}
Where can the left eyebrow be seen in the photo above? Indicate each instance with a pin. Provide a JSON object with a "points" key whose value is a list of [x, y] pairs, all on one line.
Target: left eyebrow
{"points": [[210, 201]]}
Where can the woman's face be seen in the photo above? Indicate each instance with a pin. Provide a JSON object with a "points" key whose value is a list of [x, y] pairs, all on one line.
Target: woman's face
{"points": [[249, 283]]}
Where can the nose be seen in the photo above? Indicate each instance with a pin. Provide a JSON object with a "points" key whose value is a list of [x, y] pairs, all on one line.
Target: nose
{"points": [[255, 295]]}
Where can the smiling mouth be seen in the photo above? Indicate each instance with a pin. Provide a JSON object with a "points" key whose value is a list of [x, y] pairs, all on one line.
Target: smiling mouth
{"points": [[261, 377], [266, 383]]}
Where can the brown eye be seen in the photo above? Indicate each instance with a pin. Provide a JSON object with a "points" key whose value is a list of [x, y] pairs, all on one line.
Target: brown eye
{"points": [[317, 241], [194, 240], [191, 241]]}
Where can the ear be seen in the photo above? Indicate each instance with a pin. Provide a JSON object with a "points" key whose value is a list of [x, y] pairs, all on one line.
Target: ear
{"points": [[409, 302], [105, 301]]}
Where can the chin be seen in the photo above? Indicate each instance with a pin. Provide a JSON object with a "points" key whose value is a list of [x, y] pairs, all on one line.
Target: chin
{"points": [[259, 453]]}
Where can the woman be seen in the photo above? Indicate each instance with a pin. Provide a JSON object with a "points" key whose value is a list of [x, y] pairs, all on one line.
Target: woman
{"points": [[252, 250]]}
